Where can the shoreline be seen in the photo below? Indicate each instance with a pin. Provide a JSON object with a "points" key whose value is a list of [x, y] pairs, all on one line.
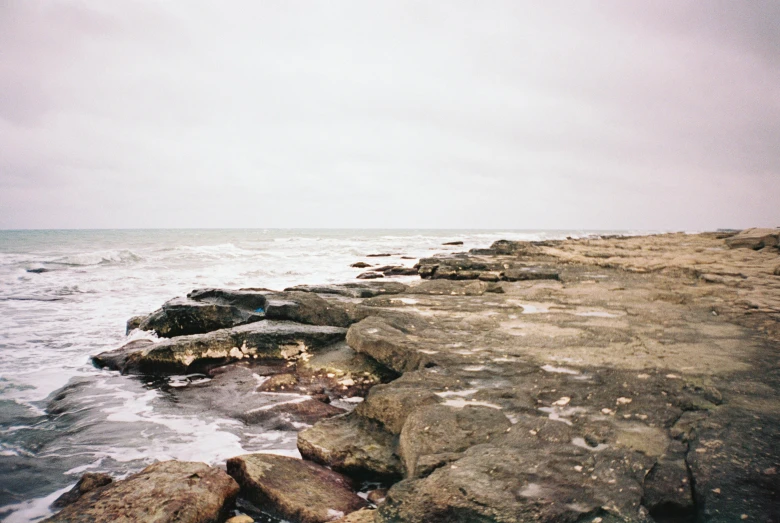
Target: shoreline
{"points": [[618, 379]]}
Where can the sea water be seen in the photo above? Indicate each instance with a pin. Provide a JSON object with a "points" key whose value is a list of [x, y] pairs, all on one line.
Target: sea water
{"points": [[61, 417]]}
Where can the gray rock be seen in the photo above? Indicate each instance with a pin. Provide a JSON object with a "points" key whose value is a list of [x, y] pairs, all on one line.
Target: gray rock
{"points": [[390, 405], [433, 433], [354, 290], [352, 445], [293, 488], [529, 273], [166, 492], [369, 276], [309, 308], [198, 352], [88, 482], [183, 316]]}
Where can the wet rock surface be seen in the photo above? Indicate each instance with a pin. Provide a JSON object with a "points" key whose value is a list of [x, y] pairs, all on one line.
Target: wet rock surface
{"points": [[170, 491], [295, 489], [88, 482], [197, 352]]}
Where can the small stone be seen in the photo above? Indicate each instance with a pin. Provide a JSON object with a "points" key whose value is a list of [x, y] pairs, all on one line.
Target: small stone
{"points": [[716, 490], [243, 518], [623, 401], [563, 401]]}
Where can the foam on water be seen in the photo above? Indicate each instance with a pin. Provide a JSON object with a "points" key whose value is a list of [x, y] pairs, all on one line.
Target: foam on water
{"points": [[93, 281]]}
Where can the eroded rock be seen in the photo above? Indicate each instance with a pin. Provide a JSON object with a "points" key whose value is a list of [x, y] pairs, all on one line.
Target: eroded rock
{"points": [[352, 445], [169, 491], [295, 489], [198, 352]]}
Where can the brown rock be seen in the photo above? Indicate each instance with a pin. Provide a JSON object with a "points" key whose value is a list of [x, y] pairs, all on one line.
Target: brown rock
{"points": [[88, 482], [360, 265], [352, 445], [296, 489], [166, 492], [361, 516]]}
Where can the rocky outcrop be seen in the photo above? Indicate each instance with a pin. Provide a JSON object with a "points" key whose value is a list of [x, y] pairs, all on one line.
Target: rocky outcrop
{"points": [[198, 352], [294, 489], [166, 492], [465, 267], [754, 239]]}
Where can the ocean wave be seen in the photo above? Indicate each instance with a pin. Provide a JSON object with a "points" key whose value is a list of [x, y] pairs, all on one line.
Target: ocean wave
{"points": [[97, 258]]}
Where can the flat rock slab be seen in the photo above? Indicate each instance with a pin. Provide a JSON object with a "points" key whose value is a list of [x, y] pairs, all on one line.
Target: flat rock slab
{"points": [[295, 489], [198, 352], [354, 290], [169, 491]]}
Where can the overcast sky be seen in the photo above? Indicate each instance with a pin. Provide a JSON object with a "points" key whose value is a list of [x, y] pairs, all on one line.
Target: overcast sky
{"points": [[454, 114]]}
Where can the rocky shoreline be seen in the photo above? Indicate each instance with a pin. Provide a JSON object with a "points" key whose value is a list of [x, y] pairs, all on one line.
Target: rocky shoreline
{"points": [[612, 379]]}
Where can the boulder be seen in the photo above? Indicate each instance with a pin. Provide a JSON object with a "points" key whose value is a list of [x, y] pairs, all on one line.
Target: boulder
{"points": [[369, 276], [754, 238], [88, 482], [134, 323], [309, 308], [453, 243], [352, 445], [399, 270], [384, 338], [198, 352], [360, 265], [244, 299], [390, 404], [169, 491], [183, 316], [433, 434], [295, 489]]}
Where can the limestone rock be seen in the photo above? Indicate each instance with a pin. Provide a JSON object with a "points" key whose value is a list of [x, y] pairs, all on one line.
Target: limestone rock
{"points": [[354, 290], [293, 488], [390, 405], [187, 354], [369, 275], [166, 492], [88, 482], [755, 239], [351, 445], [183, 316], [502, 484], [134, 323], [450, 288], [434, 432], [364, 515], [308, 308]]}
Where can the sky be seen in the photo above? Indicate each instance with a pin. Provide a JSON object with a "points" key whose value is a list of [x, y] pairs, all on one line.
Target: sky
{"points": [[403, 114]]}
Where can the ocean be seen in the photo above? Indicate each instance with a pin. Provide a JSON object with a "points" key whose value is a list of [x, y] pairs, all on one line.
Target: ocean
{"points": [[61, 417]]}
